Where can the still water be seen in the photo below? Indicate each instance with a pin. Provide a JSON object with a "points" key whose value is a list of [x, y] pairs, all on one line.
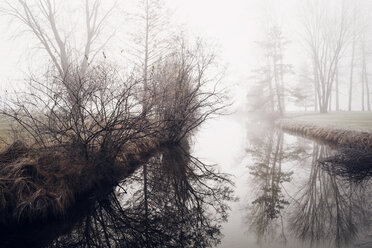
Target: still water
{"points": [[237, 183], [293, 192]]}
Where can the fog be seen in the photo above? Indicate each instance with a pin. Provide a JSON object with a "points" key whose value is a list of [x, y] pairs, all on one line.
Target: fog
{"points": [[185, 123], [233, 28]]}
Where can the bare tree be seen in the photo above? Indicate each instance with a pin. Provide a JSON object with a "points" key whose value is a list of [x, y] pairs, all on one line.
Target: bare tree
{"points": [[186, 88], [41, 19], [95, 123], [303, 91], [364, 17], [365, 81], [352, 62], [94, 114], [360, 27], [337, 90], [326, 34], [81, 130], [277, 42], [270, 86], [150, 39], [147, 48]]}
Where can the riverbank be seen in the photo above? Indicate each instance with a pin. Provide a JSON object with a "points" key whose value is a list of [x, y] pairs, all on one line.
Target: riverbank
{"points": [[37, 185], [349, 130]]}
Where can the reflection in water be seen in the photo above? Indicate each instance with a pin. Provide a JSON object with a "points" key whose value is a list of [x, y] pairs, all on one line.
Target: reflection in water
{"points": [[186, 203], [321, 211], [329, 208], [329, 205], [265, 210], [354, 165]]}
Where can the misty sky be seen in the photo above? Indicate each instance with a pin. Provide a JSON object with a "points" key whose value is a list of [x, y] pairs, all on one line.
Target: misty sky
{"points": [[232, 25]]}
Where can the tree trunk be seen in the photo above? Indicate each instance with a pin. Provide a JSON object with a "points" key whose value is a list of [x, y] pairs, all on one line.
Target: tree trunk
{"points": [[367, 88], [319, 87], [269, 80], [316, 83], [146, 59], [365, 76], [323, 109], [277, 86], [145, 195], [337, 92], [352, 68], [363, 91], [281, 77], [316, 109], [145, 88], [330, 102]]}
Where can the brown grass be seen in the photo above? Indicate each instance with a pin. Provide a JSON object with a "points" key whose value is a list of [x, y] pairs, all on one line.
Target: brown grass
{"points": [[332, 136], [37, 184]]}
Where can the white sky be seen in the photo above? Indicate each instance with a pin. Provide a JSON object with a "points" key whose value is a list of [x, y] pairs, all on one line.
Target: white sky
{"points": [[234, 25], [231, 24]]}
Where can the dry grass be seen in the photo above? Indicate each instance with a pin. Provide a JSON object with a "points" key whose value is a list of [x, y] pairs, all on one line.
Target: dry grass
{"points": [[37, 184], [355, 120], [329, 135]]}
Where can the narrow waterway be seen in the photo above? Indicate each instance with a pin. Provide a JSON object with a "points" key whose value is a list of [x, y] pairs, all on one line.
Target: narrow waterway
{"points": [[236, 183]]}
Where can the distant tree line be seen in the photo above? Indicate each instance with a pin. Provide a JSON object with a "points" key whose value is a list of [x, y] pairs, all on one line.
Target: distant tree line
{"points": [[334, 35]]}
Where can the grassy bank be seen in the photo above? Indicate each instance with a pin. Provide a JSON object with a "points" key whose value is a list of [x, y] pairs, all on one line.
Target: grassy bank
{"points": [[353, 130], [354, 121], [38, 184]]}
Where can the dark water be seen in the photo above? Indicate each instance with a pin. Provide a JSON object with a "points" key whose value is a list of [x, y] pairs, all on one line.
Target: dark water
{"points": [[268, 189]]}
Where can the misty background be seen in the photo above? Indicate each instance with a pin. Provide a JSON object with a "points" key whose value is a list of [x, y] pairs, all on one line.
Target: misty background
{"points": [[234, 28], [273, 57]]}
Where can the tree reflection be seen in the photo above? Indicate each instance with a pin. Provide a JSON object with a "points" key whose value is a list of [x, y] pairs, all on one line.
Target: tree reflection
{"points": [[330, 209], [186, 203], [350, 164], [325, 203], [265, 210]]}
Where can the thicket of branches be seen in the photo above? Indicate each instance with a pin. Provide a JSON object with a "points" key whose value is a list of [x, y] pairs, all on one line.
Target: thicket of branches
{"points": [[181, 92], [99, 112], [86, 131], [87, 124]]}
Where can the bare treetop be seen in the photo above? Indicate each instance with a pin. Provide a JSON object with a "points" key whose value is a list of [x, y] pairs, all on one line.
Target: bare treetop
{"points": [[41, 18]]}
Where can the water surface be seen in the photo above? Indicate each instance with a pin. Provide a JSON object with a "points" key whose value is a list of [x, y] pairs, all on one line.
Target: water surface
{"points": [[237, 183], [293, 192]]}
